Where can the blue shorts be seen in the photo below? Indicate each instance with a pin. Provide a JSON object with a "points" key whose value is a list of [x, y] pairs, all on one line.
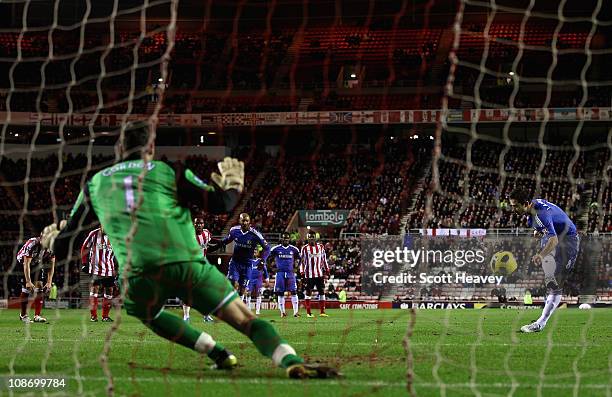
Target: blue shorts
{"points": [[566, 253], [254, 283], [285, 281], [237, 272]]}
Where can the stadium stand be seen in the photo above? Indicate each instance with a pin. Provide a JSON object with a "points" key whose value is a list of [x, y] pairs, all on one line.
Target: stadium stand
{"points": [[472, 195], [222, 61], [373, 185], [383, 186]]}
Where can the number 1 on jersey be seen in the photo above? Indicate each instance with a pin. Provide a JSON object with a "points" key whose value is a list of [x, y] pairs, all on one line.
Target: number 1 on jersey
{"points": [[129, 193]]}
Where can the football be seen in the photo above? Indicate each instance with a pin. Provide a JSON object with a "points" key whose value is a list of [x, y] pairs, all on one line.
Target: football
{"points": [[503, 263]]}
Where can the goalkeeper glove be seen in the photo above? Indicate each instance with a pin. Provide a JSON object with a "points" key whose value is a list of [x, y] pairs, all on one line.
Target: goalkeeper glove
{"points": [[232, 174], [50, 233]]}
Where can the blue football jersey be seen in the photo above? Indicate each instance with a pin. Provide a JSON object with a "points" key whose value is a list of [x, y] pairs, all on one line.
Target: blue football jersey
{"points": [[285, 257], [254, 271], [550, 219], [245, 243]]}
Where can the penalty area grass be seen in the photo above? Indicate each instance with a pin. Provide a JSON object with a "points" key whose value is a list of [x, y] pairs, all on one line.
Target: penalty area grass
{"points": [[453, 353]]}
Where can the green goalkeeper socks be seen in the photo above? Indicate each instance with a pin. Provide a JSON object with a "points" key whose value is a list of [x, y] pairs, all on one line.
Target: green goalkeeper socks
{"points": [[270, 344], [291, 359], [262, 333], [174, 329]]}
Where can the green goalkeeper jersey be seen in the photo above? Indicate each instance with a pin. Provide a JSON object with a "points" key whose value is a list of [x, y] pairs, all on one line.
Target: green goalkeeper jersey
{"points": [[149, 223]]}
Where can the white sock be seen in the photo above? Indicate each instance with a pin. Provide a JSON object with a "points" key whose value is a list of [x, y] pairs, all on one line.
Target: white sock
{"points": [[295, 304], [205, 343], [248, 301], [186, 310], [552, 301], [258, 304], [281, 303], [281, 352]]}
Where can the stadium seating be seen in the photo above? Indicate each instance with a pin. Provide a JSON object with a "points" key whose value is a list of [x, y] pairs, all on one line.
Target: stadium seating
{"points": [[503, 39], [473, 194], [252, 59], [372, 185], [349, 43]]}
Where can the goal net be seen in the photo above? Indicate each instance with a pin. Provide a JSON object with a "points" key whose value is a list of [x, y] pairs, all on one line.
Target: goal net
{"points": [[519, 67], [386, 126]]}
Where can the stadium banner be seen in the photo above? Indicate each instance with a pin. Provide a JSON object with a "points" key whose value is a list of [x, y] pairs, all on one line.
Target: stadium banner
{"points": [[455, 116], [512, 305], [349, 117], [360, 305], [57, 304], [461, 305], [334, 304], [433, 305], [335, 218], [564, 114], [453, 232]]}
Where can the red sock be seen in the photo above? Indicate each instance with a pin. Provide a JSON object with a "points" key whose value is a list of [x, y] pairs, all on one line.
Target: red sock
{"points": [[322, 306], [307, 304], [93, 305], [24, 303], [38, 304], [106, 305]]}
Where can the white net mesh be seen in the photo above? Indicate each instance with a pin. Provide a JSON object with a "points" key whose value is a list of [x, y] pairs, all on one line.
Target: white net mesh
{"points": [[523, 55], [100, 65], [80, 63]]}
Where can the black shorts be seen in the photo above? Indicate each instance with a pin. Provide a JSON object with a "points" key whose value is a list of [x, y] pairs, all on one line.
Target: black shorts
{"points": [[38, 278], [104, 281], [315, 282]]}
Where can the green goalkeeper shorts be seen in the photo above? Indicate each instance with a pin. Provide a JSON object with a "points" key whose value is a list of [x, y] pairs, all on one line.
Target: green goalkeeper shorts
{"points": [[197, 284]]}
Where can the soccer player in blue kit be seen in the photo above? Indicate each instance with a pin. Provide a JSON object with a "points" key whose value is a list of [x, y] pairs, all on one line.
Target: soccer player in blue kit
{"points": [[559, 248], [257, 275], [245, 239], [285, 255]]}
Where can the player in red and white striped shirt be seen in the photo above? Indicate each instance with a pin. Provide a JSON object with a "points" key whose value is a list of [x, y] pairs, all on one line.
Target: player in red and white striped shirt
{"points": [[38, 267], [314, 269], [204, 237], [99, 261]]}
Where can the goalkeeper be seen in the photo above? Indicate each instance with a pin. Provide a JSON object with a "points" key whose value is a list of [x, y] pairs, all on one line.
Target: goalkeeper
{"points": [[143, 205]]}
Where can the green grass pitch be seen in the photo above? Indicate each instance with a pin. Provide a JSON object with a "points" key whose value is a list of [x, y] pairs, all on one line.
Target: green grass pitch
{"points": [[455, 353]]}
